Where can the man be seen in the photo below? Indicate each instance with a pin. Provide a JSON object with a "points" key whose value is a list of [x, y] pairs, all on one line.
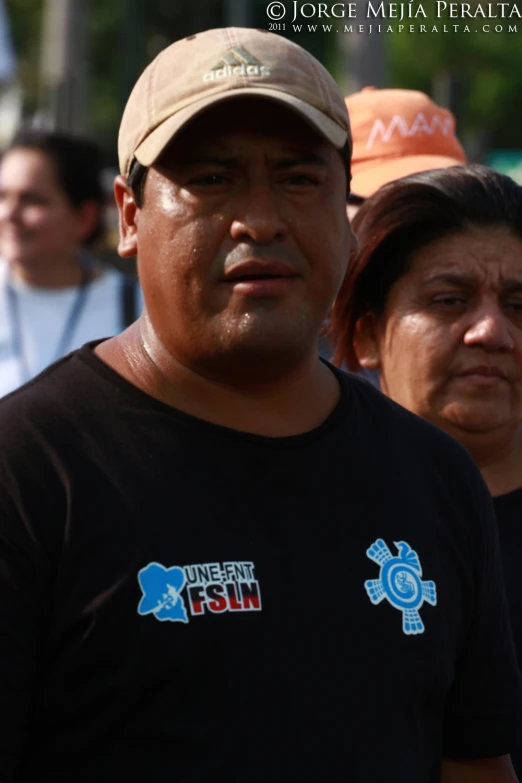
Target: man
{"points": [[396, 133], [199, 580]]}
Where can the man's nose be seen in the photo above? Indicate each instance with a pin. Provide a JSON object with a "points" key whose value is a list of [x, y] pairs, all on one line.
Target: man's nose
{"points": [[490, 329], [258, 216]]}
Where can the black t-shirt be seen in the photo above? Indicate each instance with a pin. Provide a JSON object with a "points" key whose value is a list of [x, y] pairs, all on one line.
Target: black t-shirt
{"points": [[185, 602], [508, 510]]}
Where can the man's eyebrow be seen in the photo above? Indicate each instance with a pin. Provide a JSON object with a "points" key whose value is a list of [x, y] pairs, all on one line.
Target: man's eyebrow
{"points": [[214, 159], [302, 159], [512, 286]]}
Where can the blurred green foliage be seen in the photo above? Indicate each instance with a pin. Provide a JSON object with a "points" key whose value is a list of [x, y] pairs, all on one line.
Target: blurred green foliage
{"points": [[484, 70], [25, 18]]}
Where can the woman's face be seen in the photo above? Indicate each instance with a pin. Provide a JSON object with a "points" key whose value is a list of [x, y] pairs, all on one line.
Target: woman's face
{"points": [[37, 220], [449, 344]]}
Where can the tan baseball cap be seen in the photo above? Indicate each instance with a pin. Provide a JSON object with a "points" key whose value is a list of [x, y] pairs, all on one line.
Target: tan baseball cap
{"points": [[216, 65], [397, 133]]}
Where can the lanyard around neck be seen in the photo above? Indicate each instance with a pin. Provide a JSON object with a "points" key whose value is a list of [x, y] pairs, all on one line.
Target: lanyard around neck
{"points": [[69, 328]]}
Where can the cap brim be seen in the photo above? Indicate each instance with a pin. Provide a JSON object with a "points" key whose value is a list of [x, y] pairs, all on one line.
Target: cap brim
{"points": [[367, 179], [151, 148]]}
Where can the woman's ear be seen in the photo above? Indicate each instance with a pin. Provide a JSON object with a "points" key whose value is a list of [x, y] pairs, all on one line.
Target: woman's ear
{"points": [[365, 343]]}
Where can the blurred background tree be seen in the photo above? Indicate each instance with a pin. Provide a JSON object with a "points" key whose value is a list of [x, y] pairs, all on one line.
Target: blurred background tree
{"points": [[478, 75]]}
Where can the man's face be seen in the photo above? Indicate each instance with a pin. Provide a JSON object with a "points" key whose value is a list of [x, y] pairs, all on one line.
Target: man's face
{"points": [[242, 238], [450, 340]]}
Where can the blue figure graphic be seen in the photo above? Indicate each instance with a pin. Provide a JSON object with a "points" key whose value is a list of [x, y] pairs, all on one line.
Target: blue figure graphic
{"points": [[161, 589], [399, 581]]}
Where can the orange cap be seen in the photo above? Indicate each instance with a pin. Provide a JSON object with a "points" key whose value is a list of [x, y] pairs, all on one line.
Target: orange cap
{"points": [[204, 69], [396, 133]]}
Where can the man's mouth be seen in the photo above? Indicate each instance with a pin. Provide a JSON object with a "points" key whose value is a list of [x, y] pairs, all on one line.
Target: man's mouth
{"points": [[261, 279], [253, 269]]}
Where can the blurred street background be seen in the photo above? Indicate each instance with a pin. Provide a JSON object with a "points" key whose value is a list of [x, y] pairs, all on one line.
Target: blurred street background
{"points": [[70, 65]]}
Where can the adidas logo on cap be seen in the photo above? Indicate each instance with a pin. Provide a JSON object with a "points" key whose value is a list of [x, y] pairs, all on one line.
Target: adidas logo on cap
{"points": [[236, 62]]}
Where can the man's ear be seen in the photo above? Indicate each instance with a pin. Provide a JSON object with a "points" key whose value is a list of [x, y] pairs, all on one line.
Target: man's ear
{"points": [[128, 214], [365, 343]]}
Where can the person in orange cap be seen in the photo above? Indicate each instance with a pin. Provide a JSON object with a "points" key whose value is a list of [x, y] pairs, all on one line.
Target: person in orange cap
{"points": [[397, 133]]}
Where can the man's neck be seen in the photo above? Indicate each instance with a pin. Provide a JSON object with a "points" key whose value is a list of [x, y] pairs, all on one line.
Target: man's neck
{"points": [[285, 404], [499, 458], [56, 273]]}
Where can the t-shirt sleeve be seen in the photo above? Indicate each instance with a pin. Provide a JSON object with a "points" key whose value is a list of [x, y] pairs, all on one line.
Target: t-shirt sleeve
{"points": [[483, 709], [26, 585]]}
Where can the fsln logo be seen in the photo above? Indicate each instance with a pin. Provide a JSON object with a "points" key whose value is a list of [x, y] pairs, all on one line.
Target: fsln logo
{"points": [[206, 588], [236, 62]]}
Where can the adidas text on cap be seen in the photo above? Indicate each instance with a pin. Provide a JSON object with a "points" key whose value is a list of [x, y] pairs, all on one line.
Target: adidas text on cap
{"points": [[204, 69]]}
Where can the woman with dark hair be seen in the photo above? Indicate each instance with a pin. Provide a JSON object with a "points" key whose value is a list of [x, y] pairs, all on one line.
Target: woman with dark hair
{"points": [[433, 303], [54, 294]]}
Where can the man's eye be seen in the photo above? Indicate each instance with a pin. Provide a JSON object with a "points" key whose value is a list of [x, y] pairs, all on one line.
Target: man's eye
{"points": [[210, 179], [301, 179], [449, 301], [514, 304]]}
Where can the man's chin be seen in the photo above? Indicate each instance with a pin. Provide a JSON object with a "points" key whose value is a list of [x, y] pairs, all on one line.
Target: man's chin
{"points": [[269, 335]]}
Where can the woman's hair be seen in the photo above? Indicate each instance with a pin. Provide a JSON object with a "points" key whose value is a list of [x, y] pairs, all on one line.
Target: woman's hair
{"points": [[78, 166], [405, 216]]}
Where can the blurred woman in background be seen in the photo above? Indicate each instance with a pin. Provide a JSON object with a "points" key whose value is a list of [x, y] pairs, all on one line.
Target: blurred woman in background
{"points": [[433, 303], [54, 294]]}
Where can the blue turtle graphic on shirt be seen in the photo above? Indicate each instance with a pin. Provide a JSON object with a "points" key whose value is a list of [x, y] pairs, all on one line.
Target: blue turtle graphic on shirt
{"points": [[400, 583], [161, 589]]}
